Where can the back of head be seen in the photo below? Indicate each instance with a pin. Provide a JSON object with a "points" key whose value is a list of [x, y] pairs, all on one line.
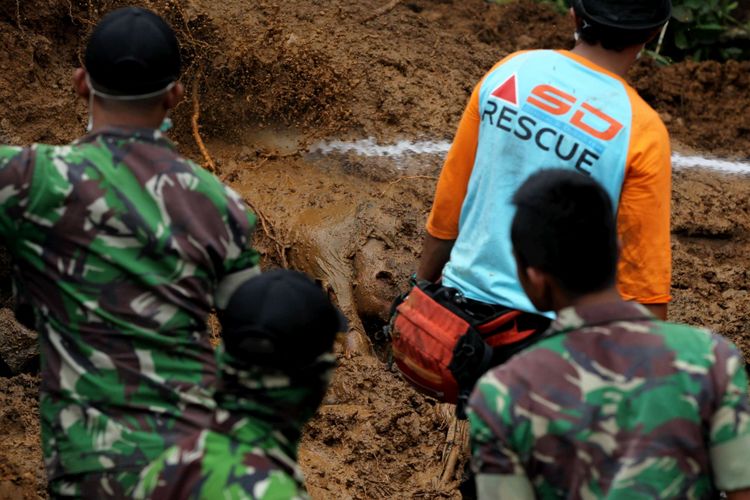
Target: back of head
{"points": [[619, 24], [280, 320], [565, 226], [278, 330], [132, 54]]}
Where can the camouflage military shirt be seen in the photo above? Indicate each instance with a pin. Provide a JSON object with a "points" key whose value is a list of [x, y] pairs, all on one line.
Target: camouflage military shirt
{"points": [[121, 247], [250, 451], [614, 404]]}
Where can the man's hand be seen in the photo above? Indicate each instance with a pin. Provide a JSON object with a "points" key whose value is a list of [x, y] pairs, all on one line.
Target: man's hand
{"points": [[435, 254]]}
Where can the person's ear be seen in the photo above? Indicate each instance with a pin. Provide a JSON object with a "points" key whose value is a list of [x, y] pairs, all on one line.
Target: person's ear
{"points": [[174, 96], [539, 287], [80, 85]]}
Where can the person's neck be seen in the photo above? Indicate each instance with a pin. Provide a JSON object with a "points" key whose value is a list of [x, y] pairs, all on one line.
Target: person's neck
{"points": [[618, 63], [608, 296], [104, 119]]}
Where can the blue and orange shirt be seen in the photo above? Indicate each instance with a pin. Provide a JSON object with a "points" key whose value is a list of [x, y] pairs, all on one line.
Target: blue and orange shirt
{"points": [[553, 109]]}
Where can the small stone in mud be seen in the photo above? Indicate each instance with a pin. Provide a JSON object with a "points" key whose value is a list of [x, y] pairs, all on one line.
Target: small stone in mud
{"points": [[19, 349]]}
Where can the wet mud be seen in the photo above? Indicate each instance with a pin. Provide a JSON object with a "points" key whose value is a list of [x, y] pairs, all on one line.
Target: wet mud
{"points": [[275, 77]]}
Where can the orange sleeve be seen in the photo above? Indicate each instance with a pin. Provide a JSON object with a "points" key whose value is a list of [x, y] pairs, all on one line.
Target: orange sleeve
{"points": [[454, 179], [643, 220]]}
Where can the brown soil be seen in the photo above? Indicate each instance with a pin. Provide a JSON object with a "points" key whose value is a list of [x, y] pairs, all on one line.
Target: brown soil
{"points": [[21, 472], [18, 345], [274, 76]]}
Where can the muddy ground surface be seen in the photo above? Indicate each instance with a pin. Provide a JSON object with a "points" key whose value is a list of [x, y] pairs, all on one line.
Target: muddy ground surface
{"points": [[273, 77]]}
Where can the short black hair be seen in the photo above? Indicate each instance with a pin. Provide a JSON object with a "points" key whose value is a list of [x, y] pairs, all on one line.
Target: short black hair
{"points": [[565, 225]]}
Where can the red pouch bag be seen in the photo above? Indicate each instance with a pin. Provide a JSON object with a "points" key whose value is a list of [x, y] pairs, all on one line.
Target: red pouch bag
{"points": [[442, 348], [424, 338]]}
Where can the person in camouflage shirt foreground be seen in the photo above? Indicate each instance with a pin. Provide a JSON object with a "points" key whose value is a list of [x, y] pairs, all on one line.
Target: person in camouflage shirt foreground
{"points": [[278, 334], [121, 248], [611, 403]]}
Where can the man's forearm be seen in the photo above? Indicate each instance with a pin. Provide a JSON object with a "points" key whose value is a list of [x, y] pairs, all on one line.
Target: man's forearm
{"points": [[435, 254]]}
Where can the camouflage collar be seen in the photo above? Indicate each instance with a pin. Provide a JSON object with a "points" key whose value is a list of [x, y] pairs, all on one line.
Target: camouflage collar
{"points": [[574, 318], [130, 134]]}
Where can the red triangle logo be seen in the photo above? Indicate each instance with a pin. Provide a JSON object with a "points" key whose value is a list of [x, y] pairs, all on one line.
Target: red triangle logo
{"points": [[508, 91]]}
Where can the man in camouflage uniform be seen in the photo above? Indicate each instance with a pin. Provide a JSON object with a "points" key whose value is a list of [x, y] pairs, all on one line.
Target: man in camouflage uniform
{"points": [[611, 402], [121, 248], [274, 372]]}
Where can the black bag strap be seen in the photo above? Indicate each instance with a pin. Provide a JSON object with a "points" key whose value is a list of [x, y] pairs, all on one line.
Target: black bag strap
{"points": [[472, 357], [464, 391]]}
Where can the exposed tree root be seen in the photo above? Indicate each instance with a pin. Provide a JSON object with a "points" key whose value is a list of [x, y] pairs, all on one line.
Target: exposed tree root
{"points": [[408, 177], [382, 10], [270, 232], [456, 447], [209, 162]]}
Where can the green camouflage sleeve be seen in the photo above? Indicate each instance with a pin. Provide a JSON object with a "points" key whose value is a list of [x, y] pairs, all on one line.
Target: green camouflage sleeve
{"points": [[495, 459], [238, 253], [242, 219], [490, 423], [243, 264], [16, 172], [212, 465], [239, 259], [730, 425]]}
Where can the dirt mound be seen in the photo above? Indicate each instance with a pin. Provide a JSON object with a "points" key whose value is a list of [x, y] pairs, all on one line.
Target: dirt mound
{"points": [[271, 77], [21, 472], [706, 105], [39, 52], [326, 69], [19, 350], [711, 245]]}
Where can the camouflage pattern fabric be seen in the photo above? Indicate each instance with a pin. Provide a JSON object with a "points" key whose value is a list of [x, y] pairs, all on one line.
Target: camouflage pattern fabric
{"points": [[119, 246], [250, 451], [614, 404]]}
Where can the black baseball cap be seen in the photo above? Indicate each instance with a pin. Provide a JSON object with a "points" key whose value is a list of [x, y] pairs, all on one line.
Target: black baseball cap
{"points": [[132, 52], [281, 319], [625, 14]]}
